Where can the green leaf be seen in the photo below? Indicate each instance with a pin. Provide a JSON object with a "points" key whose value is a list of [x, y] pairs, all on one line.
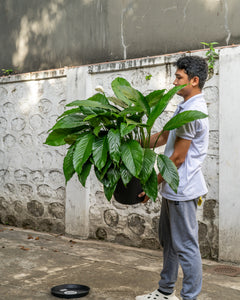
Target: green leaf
{"points": [[114, 142], [97, 130], [184, 118], [108, 191], [83, 151], [118, 102], [161, 105], [151, 186], [99, 150], [125, 175], [56, 137], [126, 129], [99, 98], [132, 156], [70, 121], [125, 92], [121, 88], [100, 174], [70, 112], [148, 164], [154, 97], [131, 111], [71, 138], [93, 110], [113, 175], [82, 177], [68, 168], [168, 171], [90, 103]]}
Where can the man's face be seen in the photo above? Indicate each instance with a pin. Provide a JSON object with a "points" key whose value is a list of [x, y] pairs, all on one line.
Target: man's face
{"points": [[182, 78]]}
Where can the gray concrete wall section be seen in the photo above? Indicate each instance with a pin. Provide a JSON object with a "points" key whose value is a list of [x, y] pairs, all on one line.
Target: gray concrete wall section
{"points": [[38, 35]]}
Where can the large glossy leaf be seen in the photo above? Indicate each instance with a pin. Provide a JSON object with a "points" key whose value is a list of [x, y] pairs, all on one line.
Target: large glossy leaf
{"points": [[118, 102], [82, 177], [168, 171], [184, 118], [68, 168], [90, 103], [148, 164], [126, 129], [113, 175], [125, 175], [131, 110], [56, 137], [132, 156], [125, 92], [114, 142], [82, 151], [151, 186], [70, 112], [99, 98], [92, 110], [108, 191], [154, 97], [101, 174], [70, 121], [161, 105], [71, 138], [120, 87], [99, 151]]}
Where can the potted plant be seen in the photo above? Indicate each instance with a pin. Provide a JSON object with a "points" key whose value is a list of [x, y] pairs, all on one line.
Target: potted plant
{"points": [[105, 133]]}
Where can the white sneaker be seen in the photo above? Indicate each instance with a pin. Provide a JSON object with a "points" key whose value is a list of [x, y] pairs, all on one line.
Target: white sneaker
{"points": [[156, 295]]}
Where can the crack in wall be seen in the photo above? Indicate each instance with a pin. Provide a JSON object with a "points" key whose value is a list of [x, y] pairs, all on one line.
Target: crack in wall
{"points": [[185, 9], [226, 25], [122, 34]]}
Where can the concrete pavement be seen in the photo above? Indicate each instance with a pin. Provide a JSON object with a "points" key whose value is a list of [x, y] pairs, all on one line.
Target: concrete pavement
{"points": [[32, 262]]}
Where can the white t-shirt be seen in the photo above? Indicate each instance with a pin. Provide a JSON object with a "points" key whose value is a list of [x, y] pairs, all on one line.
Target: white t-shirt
{"points": [[191, 180]]}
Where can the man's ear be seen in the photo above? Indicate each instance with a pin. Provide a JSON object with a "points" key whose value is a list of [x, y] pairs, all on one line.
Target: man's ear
{"points": [[195, 81]]}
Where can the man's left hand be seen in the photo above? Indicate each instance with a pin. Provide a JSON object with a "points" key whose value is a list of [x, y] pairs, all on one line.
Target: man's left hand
{"points": [[146, 197]]}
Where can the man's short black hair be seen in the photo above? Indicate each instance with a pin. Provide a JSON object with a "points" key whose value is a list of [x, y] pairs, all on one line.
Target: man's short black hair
{"points": [[194, 66]]}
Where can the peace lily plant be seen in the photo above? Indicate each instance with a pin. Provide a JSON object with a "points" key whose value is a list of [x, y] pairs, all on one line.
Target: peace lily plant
{"points": [[105, 133]]}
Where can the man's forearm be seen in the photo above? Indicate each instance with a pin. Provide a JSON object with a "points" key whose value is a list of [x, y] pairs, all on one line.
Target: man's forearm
{"points": [[158, 139]]}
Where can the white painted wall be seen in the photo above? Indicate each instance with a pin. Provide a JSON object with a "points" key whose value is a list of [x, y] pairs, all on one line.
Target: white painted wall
{"points": [[229, 152]]}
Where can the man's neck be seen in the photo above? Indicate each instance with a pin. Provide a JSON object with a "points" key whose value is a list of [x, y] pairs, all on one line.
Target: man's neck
{"points": [[194, 93]]}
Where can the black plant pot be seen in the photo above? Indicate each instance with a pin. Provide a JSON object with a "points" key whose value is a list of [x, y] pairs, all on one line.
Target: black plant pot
{"points": [[129, 194]]}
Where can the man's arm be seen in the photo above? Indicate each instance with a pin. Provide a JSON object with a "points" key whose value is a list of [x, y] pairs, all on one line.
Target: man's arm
{"points": [[158, 139], [181, 148]]}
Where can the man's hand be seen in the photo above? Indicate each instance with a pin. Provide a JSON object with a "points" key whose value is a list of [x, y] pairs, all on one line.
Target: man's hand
{"points": [[146, 197]]}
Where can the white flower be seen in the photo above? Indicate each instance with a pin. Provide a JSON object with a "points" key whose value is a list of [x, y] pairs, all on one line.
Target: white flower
{"points": [[99, 88]]}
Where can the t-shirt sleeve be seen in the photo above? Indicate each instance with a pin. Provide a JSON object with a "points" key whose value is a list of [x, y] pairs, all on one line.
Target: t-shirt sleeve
{"points": [[187, 131]]}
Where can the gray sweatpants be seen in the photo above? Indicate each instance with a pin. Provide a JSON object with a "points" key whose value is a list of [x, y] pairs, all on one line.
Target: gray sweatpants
{"points": [[178, 234]]}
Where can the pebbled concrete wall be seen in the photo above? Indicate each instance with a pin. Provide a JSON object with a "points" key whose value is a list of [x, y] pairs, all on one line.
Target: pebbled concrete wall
{"points": [[32, 190], [38, 35]]}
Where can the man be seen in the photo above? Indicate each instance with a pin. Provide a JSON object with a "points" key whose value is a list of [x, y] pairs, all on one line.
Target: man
{"points": [[187, 148]]}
